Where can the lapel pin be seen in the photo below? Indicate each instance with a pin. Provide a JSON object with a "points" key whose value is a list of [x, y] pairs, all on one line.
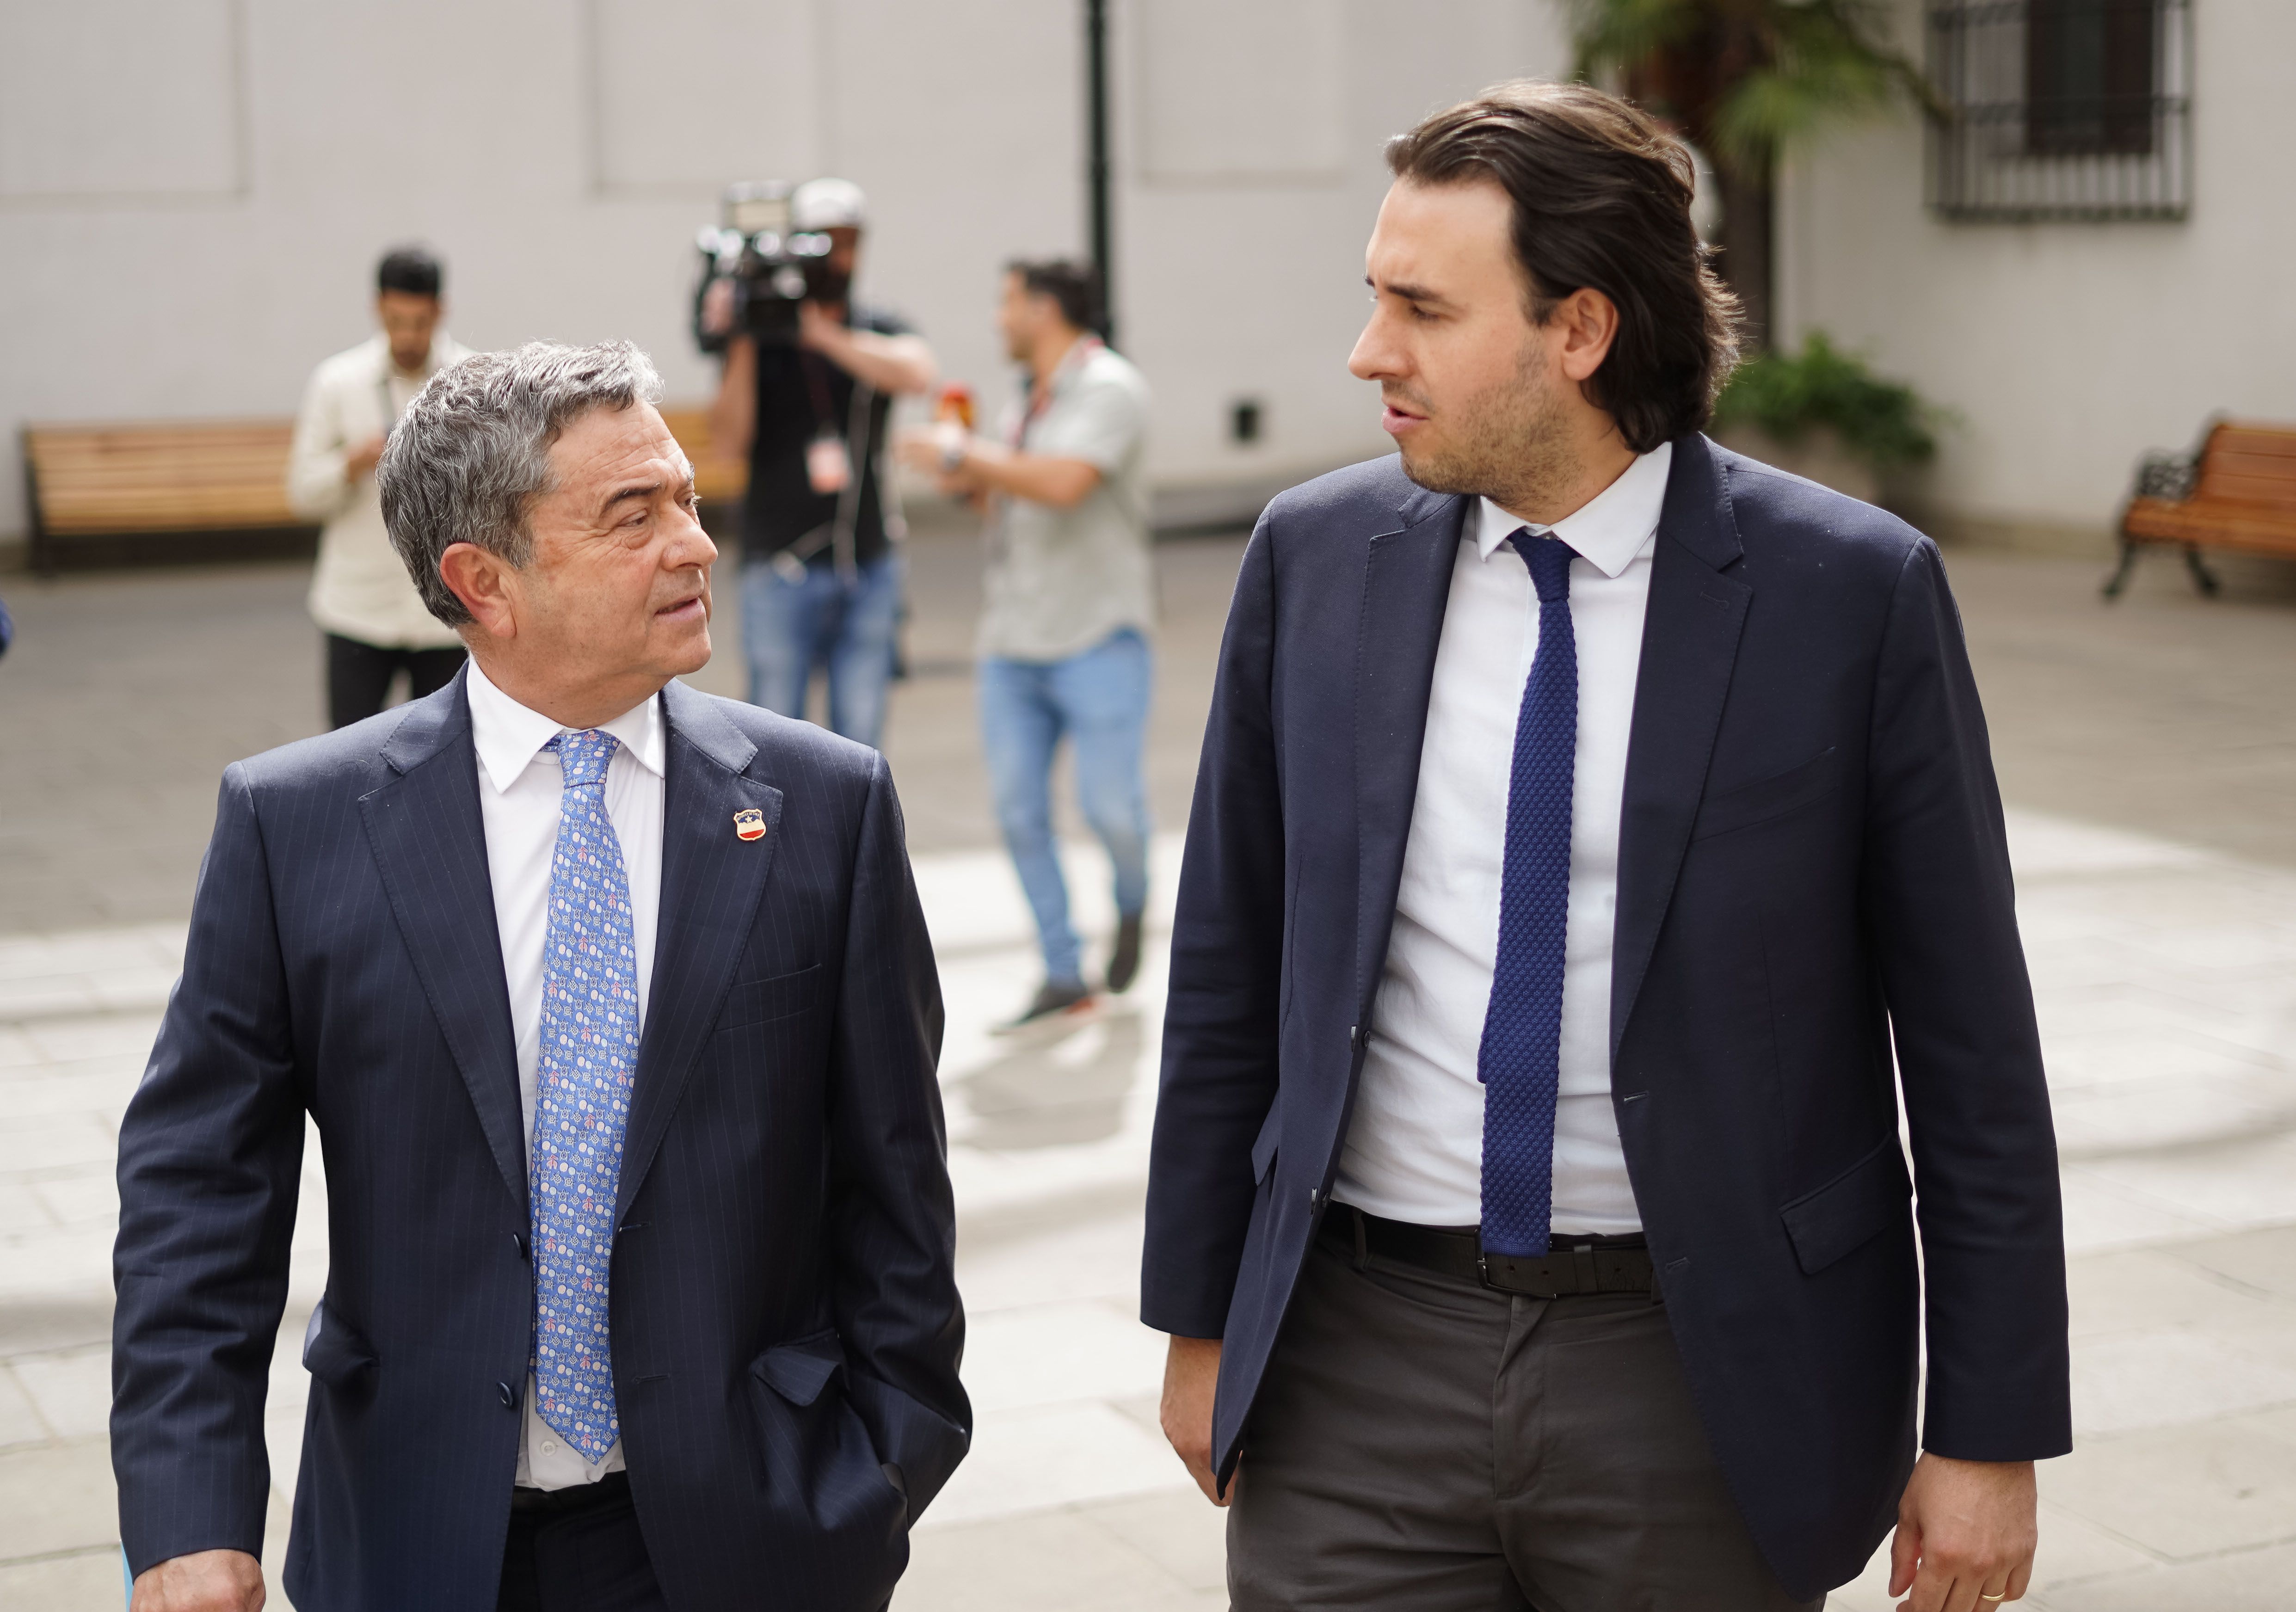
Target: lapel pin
{"points": [[749, 824]]}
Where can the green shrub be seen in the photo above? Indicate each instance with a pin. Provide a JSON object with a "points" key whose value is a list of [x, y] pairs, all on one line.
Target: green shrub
{"points": [[1787, 395]]}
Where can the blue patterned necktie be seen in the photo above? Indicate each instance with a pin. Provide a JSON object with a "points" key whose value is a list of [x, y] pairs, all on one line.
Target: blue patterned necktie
{"points": [[1522, 1028], [582, 1102]]}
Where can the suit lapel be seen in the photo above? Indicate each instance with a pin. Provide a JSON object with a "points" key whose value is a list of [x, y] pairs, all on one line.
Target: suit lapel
{"points": [[430, 843], [1690, 644], [1407, 587], [711, 881]]}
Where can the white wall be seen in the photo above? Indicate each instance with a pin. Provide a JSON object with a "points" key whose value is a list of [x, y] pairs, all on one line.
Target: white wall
{"points": [[2068, 349], [192, 192]]}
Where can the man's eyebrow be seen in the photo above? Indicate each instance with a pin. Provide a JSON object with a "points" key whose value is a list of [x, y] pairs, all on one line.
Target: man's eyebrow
{"points": [[648, 489], [637, 489], [1408, 293]]}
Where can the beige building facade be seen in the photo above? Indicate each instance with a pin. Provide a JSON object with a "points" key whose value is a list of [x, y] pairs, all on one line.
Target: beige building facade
{"points": [[2068, 315], [194, 192]]}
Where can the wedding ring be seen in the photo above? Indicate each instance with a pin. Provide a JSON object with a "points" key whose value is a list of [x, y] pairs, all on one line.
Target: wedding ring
{"points": [[1981, 1595]]}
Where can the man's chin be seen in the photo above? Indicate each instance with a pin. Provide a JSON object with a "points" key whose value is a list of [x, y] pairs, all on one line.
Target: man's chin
{"points": [[691, 658], [1436, 474]]}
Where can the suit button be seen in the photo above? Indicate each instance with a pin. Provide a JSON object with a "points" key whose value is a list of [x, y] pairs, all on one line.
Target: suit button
{"points": [[519, 1238], [509, 1396], [1315, 1196]]}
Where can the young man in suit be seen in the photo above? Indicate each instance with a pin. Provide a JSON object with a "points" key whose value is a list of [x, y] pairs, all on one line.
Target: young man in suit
{"points": [[615, 1012], [1586, 815]]}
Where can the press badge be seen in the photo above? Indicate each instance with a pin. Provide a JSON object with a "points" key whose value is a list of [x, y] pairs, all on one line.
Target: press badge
{"points": [[827, 468]]}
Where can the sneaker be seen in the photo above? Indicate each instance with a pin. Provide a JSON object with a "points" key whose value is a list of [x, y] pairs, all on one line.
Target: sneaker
{"points": [[1124, 962], [1054, 999]]}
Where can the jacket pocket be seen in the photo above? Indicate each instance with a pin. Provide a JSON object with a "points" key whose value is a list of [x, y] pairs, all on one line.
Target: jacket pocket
{"points": [[762, 1001], [1742, 808], [1263, 1146], [335, 1355], [1851, 1210], [800, 1370]]}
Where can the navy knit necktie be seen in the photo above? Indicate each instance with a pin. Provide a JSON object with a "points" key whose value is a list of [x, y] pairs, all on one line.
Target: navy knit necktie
{"points": [[1522, 1028]]}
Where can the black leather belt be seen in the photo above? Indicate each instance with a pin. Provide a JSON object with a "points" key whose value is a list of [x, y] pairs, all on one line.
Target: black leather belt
{"points": [[1579, 1263], [577, 1497]]}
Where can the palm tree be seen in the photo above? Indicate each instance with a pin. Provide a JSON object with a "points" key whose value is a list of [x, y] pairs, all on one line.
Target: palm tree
{"points": [[1745, 80]]}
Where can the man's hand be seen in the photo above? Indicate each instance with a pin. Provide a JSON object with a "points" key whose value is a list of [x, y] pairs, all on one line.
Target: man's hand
{"points": [[206, 1580], [1966, 1531], [361, 459], [1191, 1373]]}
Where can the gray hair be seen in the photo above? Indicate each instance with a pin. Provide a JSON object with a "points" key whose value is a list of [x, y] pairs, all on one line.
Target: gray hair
{"points": [[466, 462]]}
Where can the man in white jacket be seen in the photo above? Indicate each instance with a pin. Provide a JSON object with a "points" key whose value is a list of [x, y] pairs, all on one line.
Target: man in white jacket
{"points": [[376, 625]]}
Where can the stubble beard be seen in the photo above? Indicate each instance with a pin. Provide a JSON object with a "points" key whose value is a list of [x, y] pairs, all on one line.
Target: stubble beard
{"points": [[1509, 445]]}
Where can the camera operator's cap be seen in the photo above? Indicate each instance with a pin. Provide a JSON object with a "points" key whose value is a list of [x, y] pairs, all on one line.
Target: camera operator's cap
{"points": [[828, 204]]}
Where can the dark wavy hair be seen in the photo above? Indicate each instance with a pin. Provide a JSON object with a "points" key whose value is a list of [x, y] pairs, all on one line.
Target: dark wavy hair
{"points": [[1074, 286], [1601, 196]]}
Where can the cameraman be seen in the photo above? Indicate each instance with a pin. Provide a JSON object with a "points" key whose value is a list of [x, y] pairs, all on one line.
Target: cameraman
{"points": [[821, 579]]}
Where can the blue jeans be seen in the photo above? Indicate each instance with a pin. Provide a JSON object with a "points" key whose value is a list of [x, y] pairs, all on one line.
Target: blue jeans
{"points": [[789, 627], [1099, 699]]}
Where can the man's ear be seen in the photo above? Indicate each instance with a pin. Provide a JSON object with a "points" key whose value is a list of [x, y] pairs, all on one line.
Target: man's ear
{"points": [[1589, 324], [481, 580]]}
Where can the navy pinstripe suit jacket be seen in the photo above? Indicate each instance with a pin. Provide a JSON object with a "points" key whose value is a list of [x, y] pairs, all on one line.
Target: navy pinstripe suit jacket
{"points": [[786, 1328]]}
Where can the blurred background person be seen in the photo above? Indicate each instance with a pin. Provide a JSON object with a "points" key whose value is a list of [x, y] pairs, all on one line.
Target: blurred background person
{"points": [[1069, 602], [821, 575], [376, 625]]}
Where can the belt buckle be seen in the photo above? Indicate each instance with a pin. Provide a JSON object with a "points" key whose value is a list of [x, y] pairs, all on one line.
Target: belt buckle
{"points": [[1483, 1267]]}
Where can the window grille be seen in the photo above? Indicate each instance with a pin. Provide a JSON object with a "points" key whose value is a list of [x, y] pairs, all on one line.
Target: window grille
{"points": [[2062, 109]]}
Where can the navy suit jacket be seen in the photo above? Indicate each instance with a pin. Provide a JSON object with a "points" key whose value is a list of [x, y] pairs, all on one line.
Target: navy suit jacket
{"points": [[1811, 866], [786, 1323]]}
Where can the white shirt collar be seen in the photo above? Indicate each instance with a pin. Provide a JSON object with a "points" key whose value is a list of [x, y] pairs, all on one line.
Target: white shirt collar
{"points": [[508, 736], [1609, 529], [443, 351]]}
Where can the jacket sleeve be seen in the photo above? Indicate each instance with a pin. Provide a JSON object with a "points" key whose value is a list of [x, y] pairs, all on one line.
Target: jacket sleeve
{"points": [[1221, 1018], [210, 1158], [892, 1219], [1942, 911], [315, 488]]}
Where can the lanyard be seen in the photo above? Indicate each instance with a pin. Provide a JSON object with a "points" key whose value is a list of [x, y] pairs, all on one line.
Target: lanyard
{"points": [[1040, 397]]}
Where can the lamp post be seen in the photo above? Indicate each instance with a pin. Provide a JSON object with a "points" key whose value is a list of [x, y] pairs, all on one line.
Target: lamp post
{"points": [[1096, 182]]}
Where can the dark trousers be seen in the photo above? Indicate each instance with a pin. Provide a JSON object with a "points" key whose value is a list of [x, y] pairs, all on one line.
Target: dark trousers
{"points": [[1422, 1443], [578, 1550], [359, 675]]}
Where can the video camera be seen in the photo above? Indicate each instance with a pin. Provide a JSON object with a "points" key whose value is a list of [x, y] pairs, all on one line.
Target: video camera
{"points": [[773, 267]]}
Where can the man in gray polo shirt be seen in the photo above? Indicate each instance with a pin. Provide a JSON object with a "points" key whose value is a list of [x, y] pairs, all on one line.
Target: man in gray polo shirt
{"points": [[1069, 604]]}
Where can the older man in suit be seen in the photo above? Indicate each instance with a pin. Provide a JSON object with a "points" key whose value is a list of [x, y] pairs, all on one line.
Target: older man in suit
{"points": [[614, 1009], [1587, 815]]}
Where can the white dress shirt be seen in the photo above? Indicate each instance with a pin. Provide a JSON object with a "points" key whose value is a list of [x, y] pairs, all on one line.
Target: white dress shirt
{"points": [[1415, 1147], [360, 589], [521, 787]]}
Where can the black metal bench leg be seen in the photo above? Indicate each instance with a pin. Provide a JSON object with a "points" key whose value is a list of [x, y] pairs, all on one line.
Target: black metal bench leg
{"points": [[2120, 577], [2202, 575]]}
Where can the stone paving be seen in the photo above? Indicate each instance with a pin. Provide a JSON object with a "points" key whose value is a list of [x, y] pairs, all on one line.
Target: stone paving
{"points": [[2149, 754]]}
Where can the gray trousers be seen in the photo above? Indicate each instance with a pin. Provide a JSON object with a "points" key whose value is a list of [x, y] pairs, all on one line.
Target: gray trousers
{"points": [[1421, 1443]]}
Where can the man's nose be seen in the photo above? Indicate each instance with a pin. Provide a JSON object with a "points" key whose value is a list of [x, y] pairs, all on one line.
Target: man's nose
{"points": [[691, 546], [1373, 358]]}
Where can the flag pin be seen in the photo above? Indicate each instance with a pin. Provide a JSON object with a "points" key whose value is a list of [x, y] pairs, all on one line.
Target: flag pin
{"points": [[749, 824]]}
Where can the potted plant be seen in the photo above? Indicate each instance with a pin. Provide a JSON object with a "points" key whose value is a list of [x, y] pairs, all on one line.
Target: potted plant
{"points": [[1824, 413]]}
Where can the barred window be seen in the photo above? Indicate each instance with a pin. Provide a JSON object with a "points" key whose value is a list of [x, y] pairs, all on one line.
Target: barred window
{"points": [[2062, 109]]}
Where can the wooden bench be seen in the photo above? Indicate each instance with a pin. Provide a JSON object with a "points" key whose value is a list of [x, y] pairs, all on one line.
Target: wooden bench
{"points": [[179, 476], [2237, 493], [717, 480], [171, 477]]}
